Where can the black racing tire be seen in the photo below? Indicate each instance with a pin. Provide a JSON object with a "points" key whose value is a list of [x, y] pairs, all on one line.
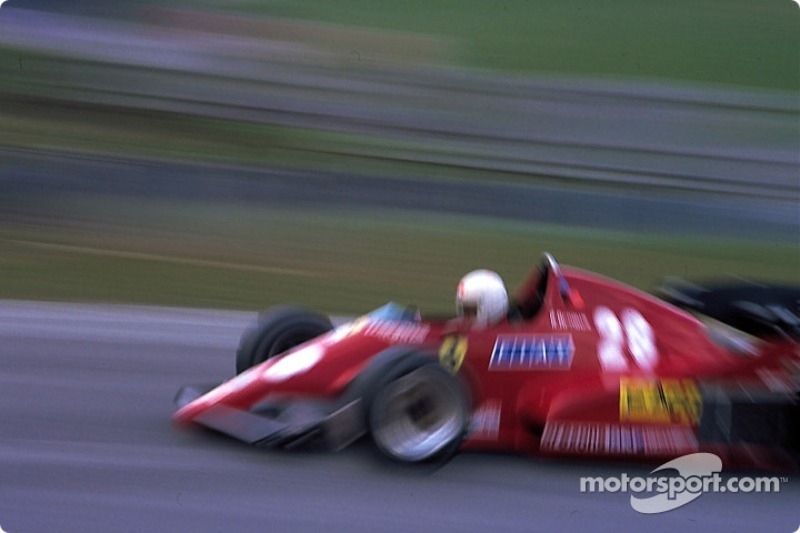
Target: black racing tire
{"points": [[417, 412], [277, 330]]}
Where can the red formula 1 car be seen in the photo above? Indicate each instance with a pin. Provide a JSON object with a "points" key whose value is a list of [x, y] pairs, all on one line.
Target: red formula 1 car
{"points": [[582, 366]]}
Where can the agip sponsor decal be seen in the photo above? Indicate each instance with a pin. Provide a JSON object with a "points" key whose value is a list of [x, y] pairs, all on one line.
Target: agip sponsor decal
{"points": [[665, 401], [532, 352]]}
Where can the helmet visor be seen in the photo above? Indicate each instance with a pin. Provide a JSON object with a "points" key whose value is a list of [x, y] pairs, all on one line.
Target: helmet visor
{"points": [[468, 309]]}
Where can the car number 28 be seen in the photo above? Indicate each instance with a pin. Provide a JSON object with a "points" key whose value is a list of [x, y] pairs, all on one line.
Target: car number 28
{"points": [[630, 330]]}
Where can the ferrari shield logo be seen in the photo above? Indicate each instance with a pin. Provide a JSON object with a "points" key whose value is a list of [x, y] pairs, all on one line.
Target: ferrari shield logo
{"points": [[452, 352]]}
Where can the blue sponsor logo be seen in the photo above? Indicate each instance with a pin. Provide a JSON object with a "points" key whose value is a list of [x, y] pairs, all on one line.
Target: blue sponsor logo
{"points": [[532, 352]]}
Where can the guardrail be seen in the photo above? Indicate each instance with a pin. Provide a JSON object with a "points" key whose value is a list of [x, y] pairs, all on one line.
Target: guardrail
{"points": [[614, 133]]}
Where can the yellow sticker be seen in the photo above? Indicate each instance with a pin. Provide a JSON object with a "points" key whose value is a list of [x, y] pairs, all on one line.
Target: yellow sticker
{"points": [[676, 401], [452, 352]]}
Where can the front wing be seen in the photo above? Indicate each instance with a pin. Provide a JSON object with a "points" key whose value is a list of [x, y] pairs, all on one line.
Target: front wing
{"points": [[289, 425]]}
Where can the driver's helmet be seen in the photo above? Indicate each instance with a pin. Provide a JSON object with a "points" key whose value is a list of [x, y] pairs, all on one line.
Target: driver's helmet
{"points": [[482, 296]]}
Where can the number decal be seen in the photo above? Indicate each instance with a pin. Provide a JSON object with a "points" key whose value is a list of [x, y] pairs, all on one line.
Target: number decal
{"points": [[633, 333], [612, 341], [641, 343], [452, 352]]}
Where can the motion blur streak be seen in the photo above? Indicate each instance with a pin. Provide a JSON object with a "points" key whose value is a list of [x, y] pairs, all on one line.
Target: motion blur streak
{"points": [[661, 136], [87, 447], [186, 154]]}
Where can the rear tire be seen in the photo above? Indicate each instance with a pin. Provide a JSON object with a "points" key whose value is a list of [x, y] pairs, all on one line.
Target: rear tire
{"points": [[276, 331], [418, 412]]}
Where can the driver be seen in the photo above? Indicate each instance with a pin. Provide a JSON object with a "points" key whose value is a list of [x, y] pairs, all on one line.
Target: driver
{"points": [[482, 298]]}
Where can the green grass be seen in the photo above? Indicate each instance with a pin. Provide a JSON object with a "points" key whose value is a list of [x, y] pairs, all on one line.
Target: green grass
{"points": [[741, 42], [235, 257], [223, 256]]}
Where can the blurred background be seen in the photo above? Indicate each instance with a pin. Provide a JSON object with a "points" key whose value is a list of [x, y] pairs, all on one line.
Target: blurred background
{"points": [[340, 154]]}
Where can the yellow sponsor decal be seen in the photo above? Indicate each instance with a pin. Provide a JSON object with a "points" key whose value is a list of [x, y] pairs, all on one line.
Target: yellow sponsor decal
{"points": [[665, 401], [452, 352]]}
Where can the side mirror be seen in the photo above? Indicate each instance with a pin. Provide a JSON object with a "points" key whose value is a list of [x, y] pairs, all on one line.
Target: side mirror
{"points": [[570, 297]]}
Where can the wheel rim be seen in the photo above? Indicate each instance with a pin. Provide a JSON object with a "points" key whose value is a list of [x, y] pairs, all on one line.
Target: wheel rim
{"points": [[418, 415]]}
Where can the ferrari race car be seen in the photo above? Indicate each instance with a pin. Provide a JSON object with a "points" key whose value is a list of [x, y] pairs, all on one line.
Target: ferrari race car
{"points": [[581, 366]]}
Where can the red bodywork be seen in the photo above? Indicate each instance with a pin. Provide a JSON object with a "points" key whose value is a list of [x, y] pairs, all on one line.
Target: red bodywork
{"points": [[589, 367]]}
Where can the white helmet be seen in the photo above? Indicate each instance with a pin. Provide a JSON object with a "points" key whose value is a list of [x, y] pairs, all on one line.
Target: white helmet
{"points": [[482, 294]]}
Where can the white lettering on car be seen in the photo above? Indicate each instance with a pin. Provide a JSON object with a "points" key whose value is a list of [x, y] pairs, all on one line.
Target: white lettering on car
{"points": [[633, 332]]}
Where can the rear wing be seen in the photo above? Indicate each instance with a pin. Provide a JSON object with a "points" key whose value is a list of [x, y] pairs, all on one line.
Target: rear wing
{"points": [[761, 310]]}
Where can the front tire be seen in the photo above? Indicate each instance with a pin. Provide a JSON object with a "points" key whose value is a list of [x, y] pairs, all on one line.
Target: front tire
{"points": [[276, 331], [418, 413]]}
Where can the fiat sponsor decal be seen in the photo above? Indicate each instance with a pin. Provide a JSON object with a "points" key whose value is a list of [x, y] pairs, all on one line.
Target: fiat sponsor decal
{"points": [[532, 352]]}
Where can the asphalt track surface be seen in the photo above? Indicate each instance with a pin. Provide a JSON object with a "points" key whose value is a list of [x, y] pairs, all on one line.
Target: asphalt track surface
{"points": [[87, 446]]}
